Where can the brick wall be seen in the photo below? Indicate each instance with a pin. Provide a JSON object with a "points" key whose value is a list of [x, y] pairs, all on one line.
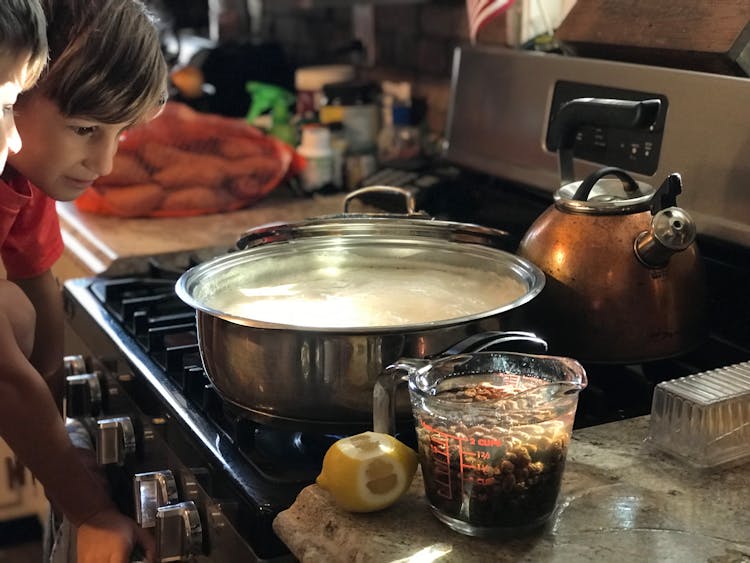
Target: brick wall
{"points": [[414, 42]]}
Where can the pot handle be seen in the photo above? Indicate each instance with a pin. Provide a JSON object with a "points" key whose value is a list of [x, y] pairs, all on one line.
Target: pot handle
{"points": [[498, 340], [583, 191], [409, 200], [384, 394], [264, 234]]}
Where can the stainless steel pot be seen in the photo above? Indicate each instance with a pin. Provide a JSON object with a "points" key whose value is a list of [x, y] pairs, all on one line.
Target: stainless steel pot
{"points": [[323, 375]]}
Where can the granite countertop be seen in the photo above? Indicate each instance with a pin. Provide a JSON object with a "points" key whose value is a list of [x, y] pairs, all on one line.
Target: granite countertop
{"points": [[620, 501], [98, 242]]}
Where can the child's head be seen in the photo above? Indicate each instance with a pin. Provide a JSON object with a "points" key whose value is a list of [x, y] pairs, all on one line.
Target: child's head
{"points": [[106, 72], [23, 53]]}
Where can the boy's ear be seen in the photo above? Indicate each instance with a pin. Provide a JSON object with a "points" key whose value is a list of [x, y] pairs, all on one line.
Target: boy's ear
{"points": [[154, 112]]}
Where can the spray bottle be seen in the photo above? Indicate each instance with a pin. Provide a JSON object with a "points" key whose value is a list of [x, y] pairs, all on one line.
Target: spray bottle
{"points": [[276, 99]]}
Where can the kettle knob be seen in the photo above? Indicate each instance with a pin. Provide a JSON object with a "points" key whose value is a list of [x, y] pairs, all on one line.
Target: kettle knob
{"points": [[672, 230]]}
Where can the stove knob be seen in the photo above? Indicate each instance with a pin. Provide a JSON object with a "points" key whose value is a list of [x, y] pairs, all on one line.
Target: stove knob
{"points": [[179, 534], [115, 440], [74, 365], [152, 490], [83, 395]]}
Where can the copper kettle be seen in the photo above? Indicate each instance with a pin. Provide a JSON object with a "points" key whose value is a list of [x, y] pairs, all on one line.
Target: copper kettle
{"points": [[625, 280]]}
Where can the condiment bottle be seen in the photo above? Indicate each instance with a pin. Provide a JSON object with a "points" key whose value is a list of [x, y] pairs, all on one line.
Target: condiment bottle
{"points": [[316, 149]]}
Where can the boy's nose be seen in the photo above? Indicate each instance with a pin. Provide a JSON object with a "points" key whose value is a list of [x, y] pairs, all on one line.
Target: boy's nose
{"points": [[14, 141], [101, 156], [10, 142]]}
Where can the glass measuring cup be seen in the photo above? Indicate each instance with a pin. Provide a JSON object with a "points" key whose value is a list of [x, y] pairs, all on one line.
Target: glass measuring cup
{"points": [[493, 431]]}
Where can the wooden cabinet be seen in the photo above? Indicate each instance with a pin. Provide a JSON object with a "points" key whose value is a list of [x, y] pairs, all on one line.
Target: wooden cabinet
{"points": [[710, 36]]}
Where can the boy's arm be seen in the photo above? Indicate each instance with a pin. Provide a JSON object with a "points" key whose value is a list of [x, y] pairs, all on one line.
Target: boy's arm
{"points": [[47, 357], [31, 425]]}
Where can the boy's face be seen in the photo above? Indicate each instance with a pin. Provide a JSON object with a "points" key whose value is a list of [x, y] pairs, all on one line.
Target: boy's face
{"points": [[12, 77], [62, 155]]}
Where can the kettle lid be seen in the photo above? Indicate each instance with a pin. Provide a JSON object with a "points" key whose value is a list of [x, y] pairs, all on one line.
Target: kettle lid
{"points": [[597, 195]]}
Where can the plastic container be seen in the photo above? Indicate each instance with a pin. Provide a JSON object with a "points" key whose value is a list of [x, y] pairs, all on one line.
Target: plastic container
{"points": [[316, 149], [704, 419]]}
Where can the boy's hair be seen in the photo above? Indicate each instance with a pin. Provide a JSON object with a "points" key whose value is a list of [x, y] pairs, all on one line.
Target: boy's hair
{"points": [[106, 62], [23, 32]]}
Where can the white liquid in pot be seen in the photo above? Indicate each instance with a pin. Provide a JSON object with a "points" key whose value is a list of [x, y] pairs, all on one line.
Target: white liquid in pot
{"points": [[370, 297]]}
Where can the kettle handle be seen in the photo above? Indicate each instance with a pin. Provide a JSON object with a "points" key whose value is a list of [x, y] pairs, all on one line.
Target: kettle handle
{"points": [[602, 112], [583, 191]]}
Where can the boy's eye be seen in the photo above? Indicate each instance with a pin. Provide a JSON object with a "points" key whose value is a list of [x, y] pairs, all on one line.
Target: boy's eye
{"points": [[84, 130], [8, 110]]}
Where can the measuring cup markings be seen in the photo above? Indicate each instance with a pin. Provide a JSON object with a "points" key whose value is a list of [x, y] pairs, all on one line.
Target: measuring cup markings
{"points": [[474, 465], [441, 465]]}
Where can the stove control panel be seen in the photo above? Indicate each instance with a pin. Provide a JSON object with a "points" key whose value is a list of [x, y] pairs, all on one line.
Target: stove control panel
{"points": [[162, 491], [634, 150]]}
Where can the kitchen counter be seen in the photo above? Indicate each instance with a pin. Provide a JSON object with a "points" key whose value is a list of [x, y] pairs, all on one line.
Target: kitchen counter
{"points": [[98, 243], [620, 501]]}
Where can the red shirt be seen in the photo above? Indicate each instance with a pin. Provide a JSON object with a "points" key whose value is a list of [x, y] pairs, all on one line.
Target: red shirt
{"points": [[30, 237]]}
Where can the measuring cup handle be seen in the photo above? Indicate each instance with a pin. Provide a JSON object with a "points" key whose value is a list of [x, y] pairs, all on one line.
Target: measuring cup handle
{"points": [[384, 397]]}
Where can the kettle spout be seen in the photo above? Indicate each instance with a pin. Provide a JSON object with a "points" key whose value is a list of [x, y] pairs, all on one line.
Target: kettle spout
{"points": [[672, 230]]}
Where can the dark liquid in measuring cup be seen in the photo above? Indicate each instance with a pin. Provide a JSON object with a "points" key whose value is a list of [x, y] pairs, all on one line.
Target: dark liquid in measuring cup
{"points": [[492, 473]]}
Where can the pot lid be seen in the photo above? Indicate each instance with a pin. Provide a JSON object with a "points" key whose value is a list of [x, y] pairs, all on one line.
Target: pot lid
{"points": [[363, 274], [599, 195]]}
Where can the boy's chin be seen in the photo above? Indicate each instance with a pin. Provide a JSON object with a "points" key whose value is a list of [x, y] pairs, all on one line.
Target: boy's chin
{"points": [[63, 195], [65, 191]]}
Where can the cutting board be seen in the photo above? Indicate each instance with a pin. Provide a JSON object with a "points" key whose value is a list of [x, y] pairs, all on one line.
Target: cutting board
{"points": [[704, 35]]}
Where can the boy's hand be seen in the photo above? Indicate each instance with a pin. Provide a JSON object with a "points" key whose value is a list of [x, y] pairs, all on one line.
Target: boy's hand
{"points": [[110, 537]]}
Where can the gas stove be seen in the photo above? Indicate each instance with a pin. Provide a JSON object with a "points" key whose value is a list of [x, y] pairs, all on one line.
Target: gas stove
{"points": [[210, 479], [237, 473]]}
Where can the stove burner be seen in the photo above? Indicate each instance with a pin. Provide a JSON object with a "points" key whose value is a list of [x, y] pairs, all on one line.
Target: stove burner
{"points": [[287, 456]]}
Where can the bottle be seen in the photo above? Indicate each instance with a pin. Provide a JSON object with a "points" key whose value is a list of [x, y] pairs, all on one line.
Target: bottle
{"points": [[267, 97], [339, 149], [400, 140], [316, 149]]}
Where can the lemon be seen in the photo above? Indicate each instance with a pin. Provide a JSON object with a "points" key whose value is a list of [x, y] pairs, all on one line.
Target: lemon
{"points": [[368, 471]]}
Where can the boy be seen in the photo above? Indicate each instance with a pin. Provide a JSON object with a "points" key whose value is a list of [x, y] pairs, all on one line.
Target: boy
{"points": [[105, 73], [23, 53]]}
